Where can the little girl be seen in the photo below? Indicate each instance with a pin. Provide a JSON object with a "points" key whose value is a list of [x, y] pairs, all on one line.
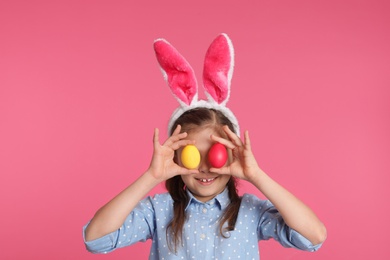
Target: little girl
{"points": [[202, 216]]}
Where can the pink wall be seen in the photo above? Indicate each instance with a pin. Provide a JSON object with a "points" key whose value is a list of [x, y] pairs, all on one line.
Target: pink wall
{"points": [[311, 83]]}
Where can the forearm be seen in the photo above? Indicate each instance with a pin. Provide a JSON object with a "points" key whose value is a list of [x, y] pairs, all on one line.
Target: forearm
{"points": [[295, 213], [113, 214]]}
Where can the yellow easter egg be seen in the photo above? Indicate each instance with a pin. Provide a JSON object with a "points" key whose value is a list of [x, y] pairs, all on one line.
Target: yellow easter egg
{"points": [[190, 157]]}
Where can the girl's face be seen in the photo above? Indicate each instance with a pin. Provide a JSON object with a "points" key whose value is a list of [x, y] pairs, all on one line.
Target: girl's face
{"points": [[204, 185]]}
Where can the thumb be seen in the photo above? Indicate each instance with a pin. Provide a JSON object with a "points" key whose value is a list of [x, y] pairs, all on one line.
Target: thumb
{"points": [[156, 141]]}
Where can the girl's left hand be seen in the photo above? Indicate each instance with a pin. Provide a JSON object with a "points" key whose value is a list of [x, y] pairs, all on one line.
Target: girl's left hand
{"points": [[244, 164]]}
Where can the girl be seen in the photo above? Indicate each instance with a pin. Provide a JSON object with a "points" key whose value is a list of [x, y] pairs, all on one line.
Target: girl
{"points": [[202, 216]]}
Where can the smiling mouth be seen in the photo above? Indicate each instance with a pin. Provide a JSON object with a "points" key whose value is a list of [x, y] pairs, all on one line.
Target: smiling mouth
{"points": [[207, 180]]}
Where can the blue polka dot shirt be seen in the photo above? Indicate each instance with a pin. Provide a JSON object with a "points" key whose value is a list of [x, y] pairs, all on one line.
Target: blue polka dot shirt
{"points": [[201, 239]]}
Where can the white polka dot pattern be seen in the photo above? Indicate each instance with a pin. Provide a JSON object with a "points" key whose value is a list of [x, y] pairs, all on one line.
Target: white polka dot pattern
{"points": [[257, 220]]}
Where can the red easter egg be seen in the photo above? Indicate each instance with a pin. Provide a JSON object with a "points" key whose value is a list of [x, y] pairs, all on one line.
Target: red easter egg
{"points": [[217, 155]]}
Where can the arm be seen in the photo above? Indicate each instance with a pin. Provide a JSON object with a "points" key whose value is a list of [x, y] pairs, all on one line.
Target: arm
{"points": [[112, 215], [295, 213]]}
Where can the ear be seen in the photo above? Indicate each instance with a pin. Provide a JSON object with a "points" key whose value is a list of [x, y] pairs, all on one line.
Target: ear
{"points": [[177, 72], [218, 69]]}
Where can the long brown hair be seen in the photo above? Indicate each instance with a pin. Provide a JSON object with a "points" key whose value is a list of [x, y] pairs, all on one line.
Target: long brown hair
{"points": [[190, 120]]}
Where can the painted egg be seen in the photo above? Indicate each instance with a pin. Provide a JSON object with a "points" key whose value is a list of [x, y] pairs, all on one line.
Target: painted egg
{"points": [[217, 155], [190, 157]]}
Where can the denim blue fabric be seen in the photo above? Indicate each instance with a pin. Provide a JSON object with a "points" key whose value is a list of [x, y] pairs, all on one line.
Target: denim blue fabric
{"points": [[201, 239]]}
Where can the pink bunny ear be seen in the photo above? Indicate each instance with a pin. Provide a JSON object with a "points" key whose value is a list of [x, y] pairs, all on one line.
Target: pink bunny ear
{"points": [[177, 71], [218, 69]]}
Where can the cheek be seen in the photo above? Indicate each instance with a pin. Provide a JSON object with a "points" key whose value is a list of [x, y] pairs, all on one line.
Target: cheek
{"points": [[225, 179], [186, 179]]}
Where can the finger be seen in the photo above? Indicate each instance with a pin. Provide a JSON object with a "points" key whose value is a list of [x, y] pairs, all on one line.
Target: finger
{"points": [[222, 171], [175, 138], [185, 171], [232, 136], [188, 172], [247, 140], [156, 141], [223, 141], [215, 170], [177, 130], [181, 143]]}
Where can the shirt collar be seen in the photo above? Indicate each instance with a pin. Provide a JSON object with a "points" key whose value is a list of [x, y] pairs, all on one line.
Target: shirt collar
{"points": [[222, 199]]}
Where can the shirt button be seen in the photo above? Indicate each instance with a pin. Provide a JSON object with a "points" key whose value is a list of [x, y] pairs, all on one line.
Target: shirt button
{"points": [[204, 210], [202, 236]]}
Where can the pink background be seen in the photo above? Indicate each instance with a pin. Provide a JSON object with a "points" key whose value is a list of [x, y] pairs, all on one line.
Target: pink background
{"points": [[80, 94]]}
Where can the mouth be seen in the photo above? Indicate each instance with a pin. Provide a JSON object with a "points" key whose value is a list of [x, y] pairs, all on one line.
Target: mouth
{"points": [[206, 181]]}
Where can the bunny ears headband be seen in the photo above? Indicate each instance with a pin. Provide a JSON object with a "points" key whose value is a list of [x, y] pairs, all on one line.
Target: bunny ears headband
{"points": [[217, 75]]}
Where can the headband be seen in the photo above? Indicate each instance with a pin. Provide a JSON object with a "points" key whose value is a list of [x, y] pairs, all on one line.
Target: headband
{"points": [[217, 75]]}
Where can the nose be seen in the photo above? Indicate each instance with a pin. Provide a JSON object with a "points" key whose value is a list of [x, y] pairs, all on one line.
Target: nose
{"points": [[204, 166]]}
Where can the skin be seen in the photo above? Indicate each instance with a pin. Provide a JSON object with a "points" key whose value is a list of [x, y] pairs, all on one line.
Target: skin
{"points": [[201, 190], [242, 164]]}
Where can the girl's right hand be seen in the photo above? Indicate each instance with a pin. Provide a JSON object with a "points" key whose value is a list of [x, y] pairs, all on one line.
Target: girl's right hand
{"points": [[162, 166]]}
